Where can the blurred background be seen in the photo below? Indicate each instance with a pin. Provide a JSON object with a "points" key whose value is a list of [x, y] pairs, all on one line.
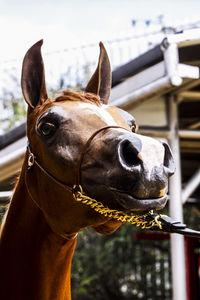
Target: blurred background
{"points": [[71, 31], [129, 264]]}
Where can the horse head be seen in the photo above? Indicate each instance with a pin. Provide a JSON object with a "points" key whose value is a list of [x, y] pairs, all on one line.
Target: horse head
{"points": [[77, 138]]}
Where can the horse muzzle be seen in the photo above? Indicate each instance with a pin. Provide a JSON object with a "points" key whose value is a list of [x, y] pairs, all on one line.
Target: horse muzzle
{"points": [[146, 165], [135, 173], [129, 202]]}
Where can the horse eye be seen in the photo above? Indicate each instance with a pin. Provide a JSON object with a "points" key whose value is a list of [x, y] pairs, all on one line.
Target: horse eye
{"points": [[46, 129], [134, 127]]}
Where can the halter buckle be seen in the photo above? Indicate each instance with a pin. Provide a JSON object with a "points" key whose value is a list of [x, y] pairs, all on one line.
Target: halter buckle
{"points": [[31, 161]]}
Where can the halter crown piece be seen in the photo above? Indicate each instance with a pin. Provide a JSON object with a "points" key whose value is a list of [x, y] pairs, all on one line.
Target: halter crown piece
{"points": [[149, 220]]}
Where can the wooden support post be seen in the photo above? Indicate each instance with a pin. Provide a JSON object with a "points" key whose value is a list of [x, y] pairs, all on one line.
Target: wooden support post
{"points": [[176, 209]]}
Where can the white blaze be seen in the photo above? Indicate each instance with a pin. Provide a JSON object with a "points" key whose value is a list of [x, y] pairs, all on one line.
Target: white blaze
{"points": [[99, 111], [152, 152]]}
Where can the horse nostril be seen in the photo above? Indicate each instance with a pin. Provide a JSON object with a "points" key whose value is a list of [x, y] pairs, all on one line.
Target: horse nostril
{"points": [[129, 154], [168, 160]]}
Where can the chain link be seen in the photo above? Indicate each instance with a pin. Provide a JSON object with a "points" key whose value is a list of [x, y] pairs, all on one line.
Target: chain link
{"points": [[140, 221]]}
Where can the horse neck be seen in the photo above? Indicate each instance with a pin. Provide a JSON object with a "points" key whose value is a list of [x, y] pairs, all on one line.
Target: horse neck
{"points": [[35, 262]]}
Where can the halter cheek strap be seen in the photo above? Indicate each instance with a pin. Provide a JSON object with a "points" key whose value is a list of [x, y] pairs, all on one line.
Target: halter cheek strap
{"points": [[32, 162]]}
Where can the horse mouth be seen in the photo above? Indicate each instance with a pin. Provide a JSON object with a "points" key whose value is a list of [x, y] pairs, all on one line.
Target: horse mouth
{"points": [[130, 203]]}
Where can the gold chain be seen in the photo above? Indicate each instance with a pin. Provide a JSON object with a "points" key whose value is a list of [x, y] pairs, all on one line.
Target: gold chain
{"points": [[139, 221]]}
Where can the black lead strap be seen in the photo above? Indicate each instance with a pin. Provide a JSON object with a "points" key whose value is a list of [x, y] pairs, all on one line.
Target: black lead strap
{"points": [[171, 226]]}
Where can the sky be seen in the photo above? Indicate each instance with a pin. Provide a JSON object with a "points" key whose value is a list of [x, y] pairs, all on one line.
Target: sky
{"points": [[68, 23], [64, 24]]}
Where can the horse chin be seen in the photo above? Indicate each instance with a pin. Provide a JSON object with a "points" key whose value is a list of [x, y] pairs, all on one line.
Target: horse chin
{"points": [[108, 227], [131, 204]]}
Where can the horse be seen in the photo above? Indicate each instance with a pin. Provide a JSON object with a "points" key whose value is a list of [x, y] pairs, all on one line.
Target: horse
{"points": [[85, 166]]}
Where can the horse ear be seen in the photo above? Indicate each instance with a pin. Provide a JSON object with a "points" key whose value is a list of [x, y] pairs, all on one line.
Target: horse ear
{"points": [[33, 77], [100, 82]]}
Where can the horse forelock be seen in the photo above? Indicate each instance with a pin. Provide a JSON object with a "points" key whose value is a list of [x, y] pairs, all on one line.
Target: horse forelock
{"points": [[65, 95], [69, 95]]}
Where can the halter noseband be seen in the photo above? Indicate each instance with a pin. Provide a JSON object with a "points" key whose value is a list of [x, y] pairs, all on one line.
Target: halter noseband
{"points": [[150, 220]]}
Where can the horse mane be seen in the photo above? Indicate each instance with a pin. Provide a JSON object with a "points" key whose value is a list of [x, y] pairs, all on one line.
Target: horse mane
{"points": [[78, 96]]}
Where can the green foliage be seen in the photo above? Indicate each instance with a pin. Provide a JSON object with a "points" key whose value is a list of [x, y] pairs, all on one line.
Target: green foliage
{"points": [[13, 107], [19, 112], [120, 267]]}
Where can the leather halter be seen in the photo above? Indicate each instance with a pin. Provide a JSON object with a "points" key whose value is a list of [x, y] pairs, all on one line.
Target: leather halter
{"points": [[150, 220], [80, 196]]}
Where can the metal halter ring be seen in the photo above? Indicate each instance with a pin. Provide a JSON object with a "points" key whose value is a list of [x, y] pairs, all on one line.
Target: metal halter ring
{"points": [[31, 160]]}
